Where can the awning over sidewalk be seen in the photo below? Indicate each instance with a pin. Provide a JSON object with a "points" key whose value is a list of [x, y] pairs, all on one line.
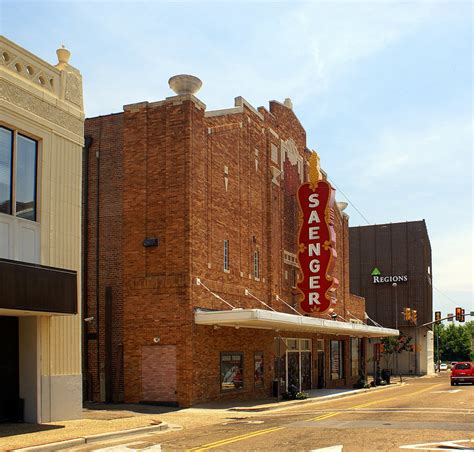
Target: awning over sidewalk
{"points": [[271, 320]]}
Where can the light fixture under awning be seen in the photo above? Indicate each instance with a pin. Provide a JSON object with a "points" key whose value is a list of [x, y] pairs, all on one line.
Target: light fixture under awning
{"points": [[271, 320]]}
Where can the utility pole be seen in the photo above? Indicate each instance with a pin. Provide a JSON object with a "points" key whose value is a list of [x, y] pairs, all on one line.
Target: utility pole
{"points": [[394, 285]]}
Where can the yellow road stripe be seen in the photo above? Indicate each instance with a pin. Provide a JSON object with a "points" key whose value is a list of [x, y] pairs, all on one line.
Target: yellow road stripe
{"points": [[395, 398], [234, 439], [324, 416], [243, 437]]}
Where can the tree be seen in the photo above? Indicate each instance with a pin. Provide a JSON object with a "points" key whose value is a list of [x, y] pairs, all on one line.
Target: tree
{"points": [[393, 345], [455, 342]]}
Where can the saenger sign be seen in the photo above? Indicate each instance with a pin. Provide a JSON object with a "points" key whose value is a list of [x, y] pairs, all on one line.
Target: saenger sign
{"points": [[317, 242]]}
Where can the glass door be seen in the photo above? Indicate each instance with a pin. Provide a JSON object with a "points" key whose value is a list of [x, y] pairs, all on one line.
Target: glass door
{"points": [[305, 371], [293, 372]]}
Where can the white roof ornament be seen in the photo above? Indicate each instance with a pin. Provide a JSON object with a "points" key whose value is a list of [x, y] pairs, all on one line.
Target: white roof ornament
{"points": [[183, 84], [63, 57]]}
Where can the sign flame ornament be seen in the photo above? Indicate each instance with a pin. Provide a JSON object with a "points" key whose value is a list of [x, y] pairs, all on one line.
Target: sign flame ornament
{"points": [[317, 241]]}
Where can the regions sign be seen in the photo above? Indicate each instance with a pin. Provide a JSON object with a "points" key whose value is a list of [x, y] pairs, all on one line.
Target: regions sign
{"points": [[379, 278], [317, 242]]}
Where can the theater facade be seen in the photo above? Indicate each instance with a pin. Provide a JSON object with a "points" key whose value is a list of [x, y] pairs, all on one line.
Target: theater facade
{"points": [[191, 258]]}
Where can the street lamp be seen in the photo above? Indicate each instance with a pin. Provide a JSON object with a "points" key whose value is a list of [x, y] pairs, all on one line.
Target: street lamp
{"points": [[394, 285]]}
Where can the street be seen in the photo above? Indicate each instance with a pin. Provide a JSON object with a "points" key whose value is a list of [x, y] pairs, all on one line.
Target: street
{"points": [[422, 414]]}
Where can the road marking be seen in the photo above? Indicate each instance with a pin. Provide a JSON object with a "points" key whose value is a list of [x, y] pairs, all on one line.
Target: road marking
{"points": [[324, 416], [450, 391], [274, 429], [396, 398], [155, 448], [235, 439], [328, 449], [448, 445]]}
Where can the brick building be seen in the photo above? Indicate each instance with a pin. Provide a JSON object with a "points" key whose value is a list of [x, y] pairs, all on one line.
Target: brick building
{"points": [[190, 244]]}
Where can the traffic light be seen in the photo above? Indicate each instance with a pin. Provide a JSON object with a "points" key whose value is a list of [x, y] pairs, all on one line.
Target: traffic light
{"points": [[461, 318], [458, 314], [407, 313], [413, 315], [438, 316]]}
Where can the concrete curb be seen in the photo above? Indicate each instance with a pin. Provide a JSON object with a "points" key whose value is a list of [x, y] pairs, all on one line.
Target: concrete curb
{"points": [[290, 403], [123, 433], [81, 441]]}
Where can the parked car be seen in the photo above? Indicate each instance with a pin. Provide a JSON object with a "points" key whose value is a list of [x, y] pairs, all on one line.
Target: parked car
{"points": [[462, 373], [443, 366], [453, 364]]}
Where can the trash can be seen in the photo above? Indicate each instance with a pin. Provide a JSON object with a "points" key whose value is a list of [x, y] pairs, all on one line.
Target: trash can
{"points": [[275, 388], [385, 374]]}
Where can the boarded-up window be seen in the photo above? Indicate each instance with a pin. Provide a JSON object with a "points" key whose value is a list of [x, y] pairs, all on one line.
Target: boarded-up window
{"points": [[159, 373]]}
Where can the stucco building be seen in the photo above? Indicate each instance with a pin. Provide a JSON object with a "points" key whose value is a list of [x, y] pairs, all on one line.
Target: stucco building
{"points": [[41, 139], [390, 266], [190, 242]]}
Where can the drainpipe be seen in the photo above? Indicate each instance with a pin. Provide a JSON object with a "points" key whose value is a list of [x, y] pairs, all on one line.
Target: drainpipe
{"points": [[85, 274], [100, 373]]}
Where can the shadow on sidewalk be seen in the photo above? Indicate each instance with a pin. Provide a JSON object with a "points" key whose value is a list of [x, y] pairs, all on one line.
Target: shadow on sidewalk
{"points": [[110, 411], [22, 428]]}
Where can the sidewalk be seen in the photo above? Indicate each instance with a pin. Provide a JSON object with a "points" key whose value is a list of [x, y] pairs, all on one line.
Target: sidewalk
{"points": [[102, 421]]}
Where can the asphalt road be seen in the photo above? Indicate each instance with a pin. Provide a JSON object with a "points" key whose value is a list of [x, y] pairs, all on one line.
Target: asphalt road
{"points": [[423, 414]]}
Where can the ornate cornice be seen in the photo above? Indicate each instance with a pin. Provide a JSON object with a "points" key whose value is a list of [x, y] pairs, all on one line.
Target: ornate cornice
{"points": [[27, 101]]}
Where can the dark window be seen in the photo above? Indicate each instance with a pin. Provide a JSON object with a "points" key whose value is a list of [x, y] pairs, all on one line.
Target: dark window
{"points": [[232, 376], [25, 182], [226, 255], [6, 152], [355, 350], [462, 366], [258, 365], [256, 264], [22, 203], [337, 360]]}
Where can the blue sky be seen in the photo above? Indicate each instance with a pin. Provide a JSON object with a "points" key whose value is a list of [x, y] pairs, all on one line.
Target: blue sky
{"points": [[384, 89]]}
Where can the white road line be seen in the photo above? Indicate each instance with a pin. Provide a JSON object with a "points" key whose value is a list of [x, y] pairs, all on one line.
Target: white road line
{"points": [[450, 391], [328, 449], [155, 448], [460, 444]]}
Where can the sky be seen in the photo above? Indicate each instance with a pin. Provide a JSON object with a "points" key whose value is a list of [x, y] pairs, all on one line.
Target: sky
{"points": [[383, 88]]}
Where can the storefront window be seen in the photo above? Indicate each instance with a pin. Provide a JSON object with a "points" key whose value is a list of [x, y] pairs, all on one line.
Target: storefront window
{"points": [[258, 366], [337, 360], [355, 348], [231, 371]]}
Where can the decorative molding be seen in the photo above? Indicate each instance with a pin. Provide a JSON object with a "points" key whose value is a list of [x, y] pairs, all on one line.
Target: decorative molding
{"points": [[74, 89], [275, 174], [290, 259], [41, 108]]}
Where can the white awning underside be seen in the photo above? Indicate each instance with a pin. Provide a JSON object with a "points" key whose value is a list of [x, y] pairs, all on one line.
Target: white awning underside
{"points": [[270, 320]]}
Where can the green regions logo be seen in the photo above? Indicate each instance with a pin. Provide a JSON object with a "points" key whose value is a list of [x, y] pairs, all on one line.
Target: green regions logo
{"points": [[375, 272], [379, 278]]}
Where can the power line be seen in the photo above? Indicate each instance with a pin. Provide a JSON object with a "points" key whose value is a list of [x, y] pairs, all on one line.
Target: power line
{"points": [[350, 202], [442, 293]]}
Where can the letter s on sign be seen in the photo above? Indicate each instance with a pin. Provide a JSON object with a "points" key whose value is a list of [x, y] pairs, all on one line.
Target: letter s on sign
{"points": [[313, 200]]}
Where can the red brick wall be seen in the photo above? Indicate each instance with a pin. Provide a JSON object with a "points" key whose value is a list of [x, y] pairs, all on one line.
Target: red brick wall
{"points": [[105, 153], [174, 165]]}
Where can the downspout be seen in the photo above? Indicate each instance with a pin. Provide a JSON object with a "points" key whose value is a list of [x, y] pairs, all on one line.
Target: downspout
{"points": [[85, 255], [100, 375]]}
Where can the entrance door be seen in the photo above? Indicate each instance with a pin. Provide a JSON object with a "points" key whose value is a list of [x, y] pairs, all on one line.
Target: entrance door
{"points": [[10, 407], [321, 370], [294, 370], [305, 371]]}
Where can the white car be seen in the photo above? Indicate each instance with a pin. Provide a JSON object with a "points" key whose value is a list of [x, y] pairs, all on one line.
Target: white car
{"points": [[443, 366]]}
